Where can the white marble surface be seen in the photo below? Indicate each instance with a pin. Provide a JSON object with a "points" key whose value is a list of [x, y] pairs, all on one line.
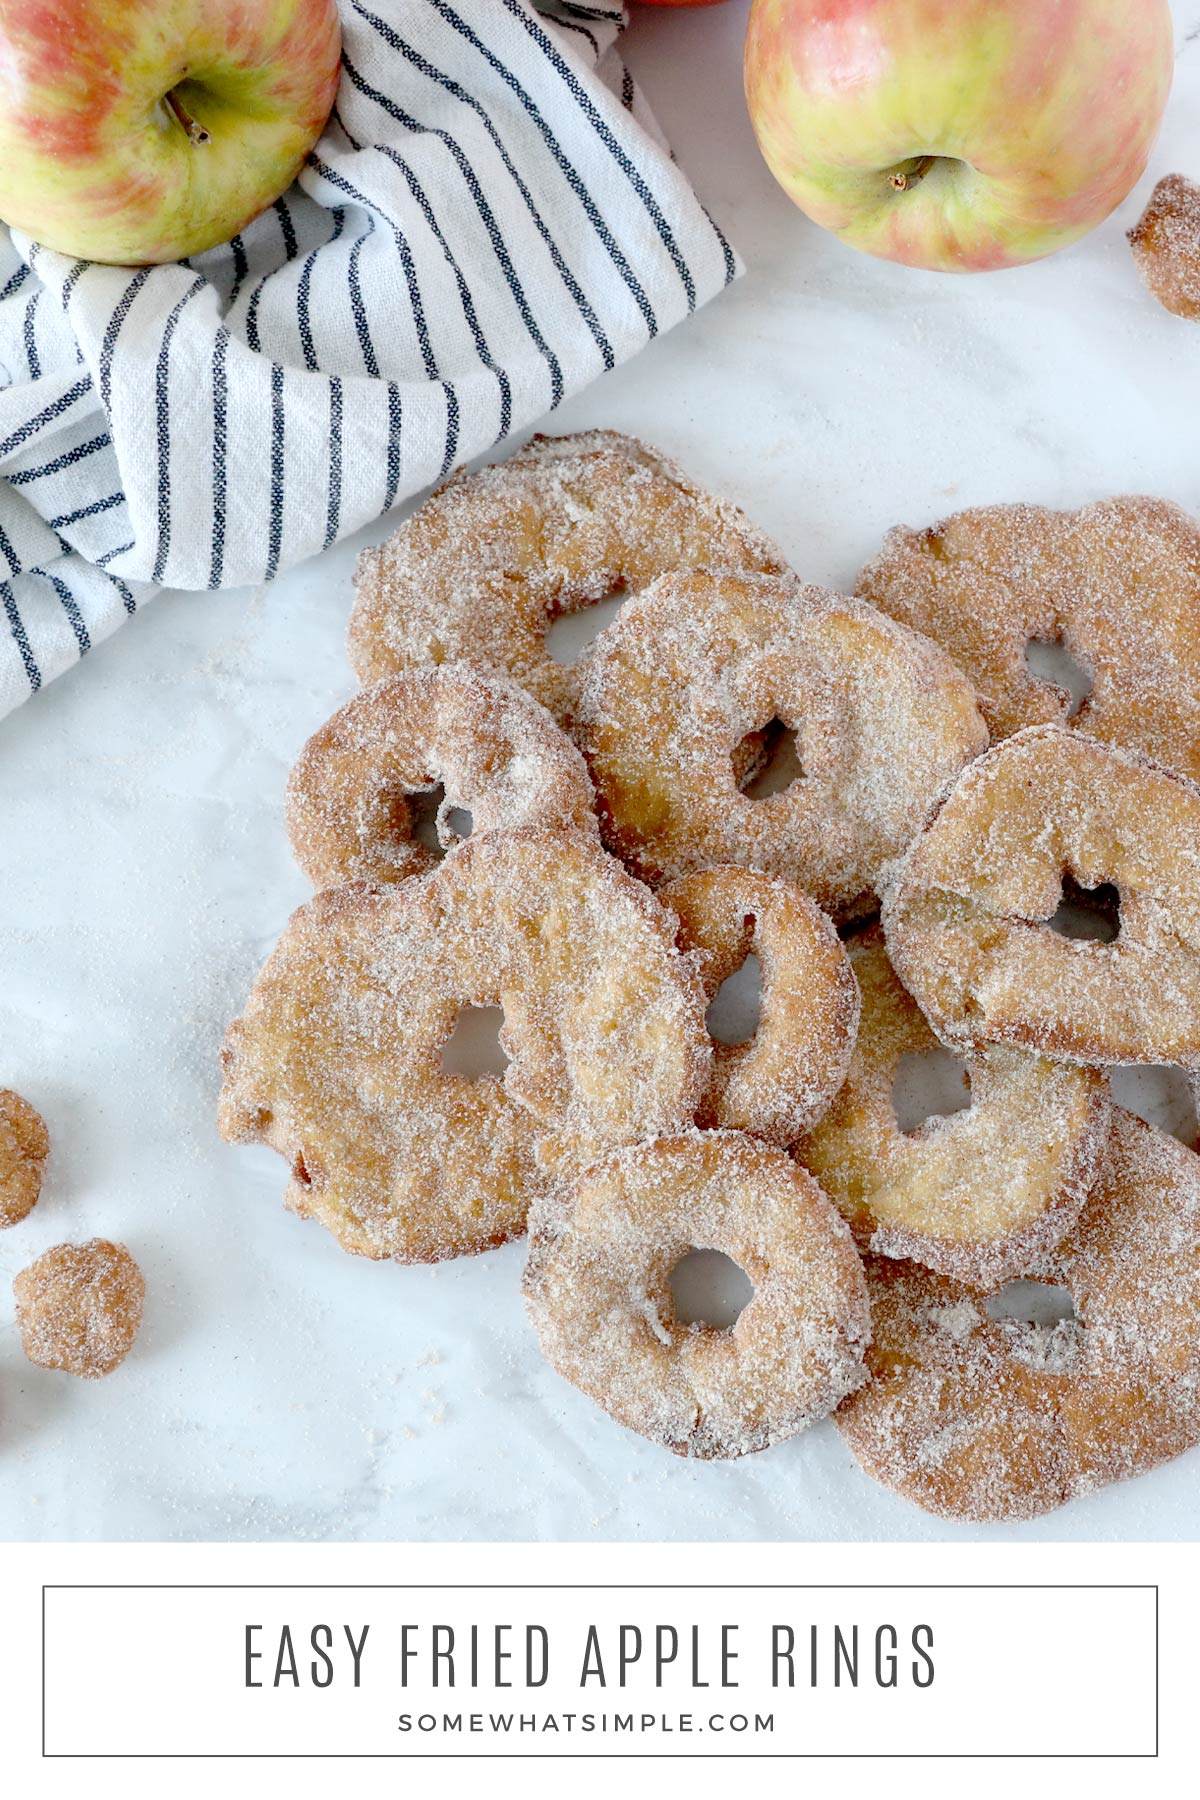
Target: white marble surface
{"points": [[280, 1388]]}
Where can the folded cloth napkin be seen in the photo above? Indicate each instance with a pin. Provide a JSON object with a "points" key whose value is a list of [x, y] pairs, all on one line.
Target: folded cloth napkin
{"points": [[490, 220]]}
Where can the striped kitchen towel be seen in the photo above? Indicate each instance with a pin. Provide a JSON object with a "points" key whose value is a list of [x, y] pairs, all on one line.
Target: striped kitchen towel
{"points": [[491, 220]]}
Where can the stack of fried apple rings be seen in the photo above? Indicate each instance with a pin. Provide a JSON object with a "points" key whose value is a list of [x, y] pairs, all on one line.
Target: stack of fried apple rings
{"points": [[970, 894]]}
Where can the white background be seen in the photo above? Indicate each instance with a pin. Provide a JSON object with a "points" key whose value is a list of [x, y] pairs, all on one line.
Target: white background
{"points": [[281, 1389]]}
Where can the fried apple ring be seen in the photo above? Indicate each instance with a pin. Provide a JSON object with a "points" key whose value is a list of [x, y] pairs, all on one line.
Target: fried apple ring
{"points": [[781, 1080], [971, 1416], [336, 1060], [493, 750], [24, 1147], [1166, 245], [883, 722], [597, 1286], [981, 1194], [968, 920], [481, 572], [1117, 584]]}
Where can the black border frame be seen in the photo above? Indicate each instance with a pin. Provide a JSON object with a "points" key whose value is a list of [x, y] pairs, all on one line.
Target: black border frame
{"points": [[676, 1587]]}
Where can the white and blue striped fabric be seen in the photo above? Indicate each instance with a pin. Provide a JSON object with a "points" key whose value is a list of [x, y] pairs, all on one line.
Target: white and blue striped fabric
{"points": [[490, 221]]}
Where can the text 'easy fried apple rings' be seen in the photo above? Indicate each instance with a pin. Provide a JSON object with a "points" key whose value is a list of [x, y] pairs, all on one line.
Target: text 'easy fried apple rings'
{"points": [[492, 750], [883, 722], [781, 1079], [969, 922], [336, 1061], [598, 1289], [974, 1415], [979, 1194], [484, 568], [1116, 584]]}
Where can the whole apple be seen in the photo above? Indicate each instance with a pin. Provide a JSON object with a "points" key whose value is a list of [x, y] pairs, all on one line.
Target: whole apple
{"points": [[140, 131], [958, 134]]}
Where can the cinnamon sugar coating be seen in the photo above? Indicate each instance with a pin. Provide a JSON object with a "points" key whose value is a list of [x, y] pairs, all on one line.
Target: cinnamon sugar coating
{"points": [[983, 1194], [1166, 245], [883, 723], [982, 1418], [785, 1076], [482, 570], [24, 1147], [1116, 583], [336, 1060], [493, 750], [79, 1307], [597, 1286], [967, 921]]}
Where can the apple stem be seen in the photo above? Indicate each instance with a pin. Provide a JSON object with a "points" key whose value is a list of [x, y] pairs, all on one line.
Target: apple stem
{"points": [[195, 131], [903, 179]]}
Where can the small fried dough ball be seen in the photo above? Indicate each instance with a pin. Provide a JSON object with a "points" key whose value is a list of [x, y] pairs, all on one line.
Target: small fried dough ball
{"points": [[24, 1147], [79, 1307], [1166, 245]]}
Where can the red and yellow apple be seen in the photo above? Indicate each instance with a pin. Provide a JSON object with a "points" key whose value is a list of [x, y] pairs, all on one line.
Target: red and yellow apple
{"points": [[958, 134], [140, 131]]}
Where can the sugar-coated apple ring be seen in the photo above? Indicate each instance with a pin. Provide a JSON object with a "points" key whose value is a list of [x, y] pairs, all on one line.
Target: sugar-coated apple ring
{"points": [[978, 1417], [1116, 583], [597, 1286], [883, 723], [980, 1194], [783, 1078], [482, 570], [492, 749], [968, 920], [336, 1060]]}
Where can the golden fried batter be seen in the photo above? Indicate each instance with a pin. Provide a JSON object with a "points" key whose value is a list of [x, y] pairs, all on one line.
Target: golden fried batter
{"points": [[24, 1147], [481, 572], [336, 1060], [1166, 245], [979, 1194], [493, 750], [79, 1307], [597, 1286], [1117, 584], [883, 723], [784, 1078], [968, 921], [976, 1417]]}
